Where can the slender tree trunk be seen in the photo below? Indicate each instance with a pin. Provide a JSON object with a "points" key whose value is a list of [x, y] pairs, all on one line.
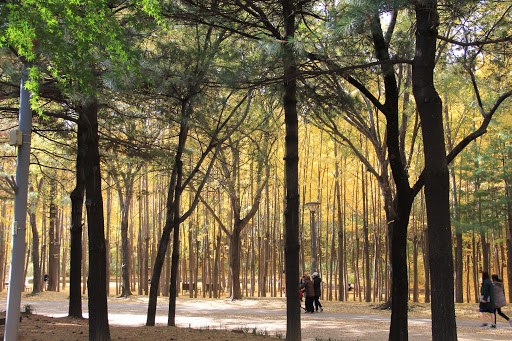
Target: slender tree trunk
{"points": [[37, 277], [43, 248], [140, 243], [2, 249], [340, 234], [509, 239], [63, 266], [368, 282], [216, 268], [53, 235], [107, 239], [37, 282], [172, 202], [146, 233], [415, 267], [459, 264], [126, 253], [173, 290], [85, 269], [191, 260]]}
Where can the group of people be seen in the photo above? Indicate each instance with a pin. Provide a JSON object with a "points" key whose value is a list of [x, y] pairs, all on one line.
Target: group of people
{"points": [[311, 288], [492, 299]]}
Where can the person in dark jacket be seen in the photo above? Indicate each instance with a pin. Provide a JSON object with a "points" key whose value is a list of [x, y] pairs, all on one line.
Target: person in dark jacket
{"points": [[499, 298], [486, 300], [317, 284], [309, 292]]}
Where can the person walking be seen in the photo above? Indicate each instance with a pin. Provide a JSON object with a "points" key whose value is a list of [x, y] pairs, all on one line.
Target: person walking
{"points": [[309, 291], [487, 300], [499, 298], [317, 284]]}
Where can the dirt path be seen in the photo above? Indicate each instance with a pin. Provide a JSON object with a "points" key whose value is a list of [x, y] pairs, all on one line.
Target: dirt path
{"points": [[269, 317]]}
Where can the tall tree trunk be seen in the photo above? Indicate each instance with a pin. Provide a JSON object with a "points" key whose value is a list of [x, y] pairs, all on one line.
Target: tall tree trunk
{"points": [[85, 269], [126, 252], [53, 235], [509, 239], [108, 235], [368, 282], [37, 276], [459, 264], [173, 288], [216, 267], [2, 248], [429, 106], [98, 312], [415, 266], [37, 282], [146, 233], [291, 213], [140, 243], [169, 225], [340, 234], [43, 248], [63, 266]]}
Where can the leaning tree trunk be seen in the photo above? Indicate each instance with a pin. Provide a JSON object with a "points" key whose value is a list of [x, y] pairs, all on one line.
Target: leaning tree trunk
{"points": [[169, 224], [429, 106], [98, 312]]}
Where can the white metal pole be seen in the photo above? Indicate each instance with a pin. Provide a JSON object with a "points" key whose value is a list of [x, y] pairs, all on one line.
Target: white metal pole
{"points": [[20, 214]]}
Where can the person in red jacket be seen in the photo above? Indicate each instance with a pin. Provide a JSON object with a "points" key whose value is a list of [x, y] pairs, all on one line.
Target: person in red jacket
{"points": [[309, 291]]}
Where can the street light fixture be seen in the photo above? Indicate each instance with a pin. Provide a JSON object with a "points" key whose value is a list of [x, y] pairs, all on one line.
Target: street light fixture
{"points": [[313, 208]]}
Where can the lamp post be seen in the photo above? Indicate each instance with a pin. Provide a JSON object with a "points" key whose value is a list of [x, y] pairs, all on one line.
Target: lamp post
{"points": [[313, 208]]}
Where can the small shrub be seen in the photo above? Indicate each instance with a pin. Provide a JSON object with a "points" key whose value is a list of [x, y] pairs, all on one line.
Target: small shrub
{"points": [[28, 309]]}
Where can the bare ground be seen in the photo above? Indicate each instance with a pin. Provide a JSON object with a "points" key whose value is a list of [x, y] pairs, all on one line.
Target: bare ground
{"points": [[247, 319]]}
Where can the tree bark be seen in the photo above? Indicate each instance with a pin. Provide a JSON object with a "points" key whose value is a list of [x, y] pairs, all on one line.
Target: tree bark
{"points": [[37, 282], [53, 243], [173, 288], [291, 212], [126, 252], [169, 225], [98, 312], [36, 276], [77, 204], [429, 106], [2, 248], [509, 239]]}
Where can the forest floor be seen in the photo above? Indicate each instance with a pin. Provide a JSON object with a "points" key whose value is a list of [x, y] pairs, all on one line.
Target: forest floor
{"points": [[246, 319]]}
